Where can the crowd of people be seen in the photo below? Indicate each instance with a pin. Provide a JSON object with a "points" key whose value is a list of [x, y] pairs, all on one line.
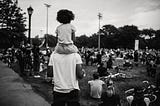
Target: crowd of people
{"points": [[131, 58], [30, 58]]}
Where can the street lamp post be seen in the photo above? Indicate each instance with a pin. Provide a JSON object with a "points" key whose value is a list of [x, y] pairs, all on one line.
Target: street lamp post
{"points": [[30, 11], [47, 5], [99, 17]]}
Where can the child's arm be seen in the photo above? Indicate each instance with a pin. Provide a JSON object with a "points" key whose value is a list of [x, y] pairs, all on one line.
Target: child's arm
{"points": [[56, 38], [73, 36]]}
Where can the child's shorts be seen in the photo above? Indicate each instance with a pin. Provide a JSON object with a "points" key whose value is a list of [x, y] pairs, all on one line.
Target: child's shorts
{"points": [[66, 48]]}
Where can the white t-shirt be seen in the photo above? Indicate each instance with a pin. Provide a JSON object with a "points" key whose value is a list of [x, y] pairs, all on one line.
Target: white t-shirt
{"points": [[64, 71], [64, 32], [96, 88]]}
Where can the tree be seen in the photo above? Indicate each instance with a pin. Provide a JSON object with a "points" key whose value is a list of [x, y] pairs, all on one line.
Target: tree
{"points": [[148, 33], [122, 37], [156, 40], [109, 30], [109, 35], [4, 41], [148, 36], [82, 41], [128, 34], [12, 21], [93, 40]]}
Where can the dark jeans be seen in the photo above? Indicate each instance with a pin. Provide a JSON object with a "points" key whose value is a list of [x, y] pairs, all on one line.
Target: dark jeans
{"points": [[61, 99]]}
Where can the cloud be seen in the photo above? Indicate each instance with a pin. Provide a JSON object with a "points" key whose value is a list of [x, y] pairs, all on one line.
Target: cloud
{"points": [[148, 5], [148, 19], [143, 13], [146, 14]]}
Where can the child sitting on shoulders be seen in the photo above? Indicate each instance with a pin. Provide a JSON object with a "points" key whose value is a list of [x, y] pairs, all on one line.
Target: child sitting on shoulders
{"points": [[65, 33]]}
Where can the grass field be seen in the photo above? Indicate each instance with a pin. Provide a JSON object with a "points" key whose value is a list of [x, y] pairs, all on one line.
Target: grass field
{"points": [[138, 74]]}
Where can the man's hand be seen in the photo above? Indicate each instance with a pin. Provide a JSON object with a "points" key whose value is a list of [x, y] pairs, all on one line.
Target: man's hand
{"points": [[80, 73]]}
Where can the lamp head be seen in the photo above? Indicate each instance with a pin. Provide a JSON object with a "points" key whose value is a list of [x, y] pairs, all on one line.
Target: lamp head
{"points": [[30, 10]]}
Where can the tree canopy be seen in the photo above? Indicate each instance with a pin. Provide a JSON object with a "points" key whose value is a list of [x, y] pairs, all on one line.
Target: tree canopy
{"points": [[12, 25], [122, 37]]}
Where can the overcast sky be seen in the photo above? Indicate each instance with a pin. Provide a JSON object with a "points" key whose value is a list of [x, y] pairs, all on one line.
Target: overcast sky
{"points": [[142, 13]]}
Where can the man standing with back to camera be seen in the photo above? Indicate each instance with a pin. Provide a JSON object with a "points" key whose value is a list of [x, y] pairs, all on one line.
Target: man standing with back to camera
{"points": [[67, 70]]}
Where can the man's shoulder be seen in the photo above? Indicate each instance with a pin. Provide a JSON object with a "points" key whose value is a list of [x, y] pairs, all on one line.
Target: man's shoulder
{"points": [[77, 54], [72, 54]]}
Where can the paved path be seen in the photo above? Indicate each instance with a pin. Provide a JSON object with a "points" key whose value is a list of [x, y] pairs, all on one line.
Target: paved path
{"points": [[15, 92]]}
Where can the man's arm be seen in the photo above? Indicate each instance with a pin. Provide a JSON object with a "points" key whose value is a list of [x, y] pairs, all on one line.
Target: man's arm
{"points": [[89, 88], [50, 71], [80, 73]]}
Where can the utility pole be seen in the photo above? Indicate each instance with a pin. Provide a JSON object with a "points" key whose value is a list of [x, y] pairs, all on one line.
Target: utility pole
{"points": [[47, 6], [99, 35]]}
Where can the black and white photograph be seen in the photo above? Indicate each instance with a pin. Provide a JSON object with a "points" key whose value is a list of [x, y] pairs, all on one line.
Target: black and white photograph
{"points": [[79, 52]]}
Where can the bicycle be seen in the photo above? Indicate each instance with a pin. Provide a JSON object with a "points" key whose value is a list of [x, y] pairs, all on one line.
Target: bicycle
{"points": [[148, 92]]}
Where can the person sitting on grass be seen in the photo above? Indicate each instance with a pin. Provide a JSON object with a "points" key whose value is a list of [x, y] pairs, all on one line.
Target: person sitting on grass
{"points": [[110, 97], [102, 70], [110, 62], [151, 69], [96, 86]]}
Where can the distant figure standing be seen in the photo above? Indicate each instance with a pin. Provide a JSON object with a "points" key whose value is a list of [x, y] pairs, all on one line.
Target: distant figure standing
{"points": [[20, 58], [36, 59], [87, 57], [99, 57], [136, 57], [110, 62], [151, 69], [65, 33]]}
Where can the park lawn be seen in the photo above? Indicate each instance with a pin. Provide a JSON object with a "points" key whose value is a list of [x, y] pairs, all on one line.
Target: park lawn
{"points": [[138, 74], [44, 88]]}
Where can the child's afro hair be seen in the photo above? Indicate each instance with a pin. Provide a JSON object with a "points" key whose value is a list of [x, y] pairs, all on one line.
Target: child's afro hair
{"points": [[65, 16]]}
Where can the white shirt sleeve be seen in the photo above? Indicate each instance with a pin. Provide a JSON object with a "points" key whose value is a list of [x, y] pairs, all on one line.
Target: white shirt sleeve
{"points": [[73, 28], [89, 82], [79, 60], [103, 82]]}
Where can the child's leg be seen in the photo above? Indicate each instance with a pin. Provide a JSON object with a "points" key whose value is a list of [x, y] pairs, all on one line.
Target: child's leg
{"points": [[71, 49], [59, 49], [66, 49]]}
